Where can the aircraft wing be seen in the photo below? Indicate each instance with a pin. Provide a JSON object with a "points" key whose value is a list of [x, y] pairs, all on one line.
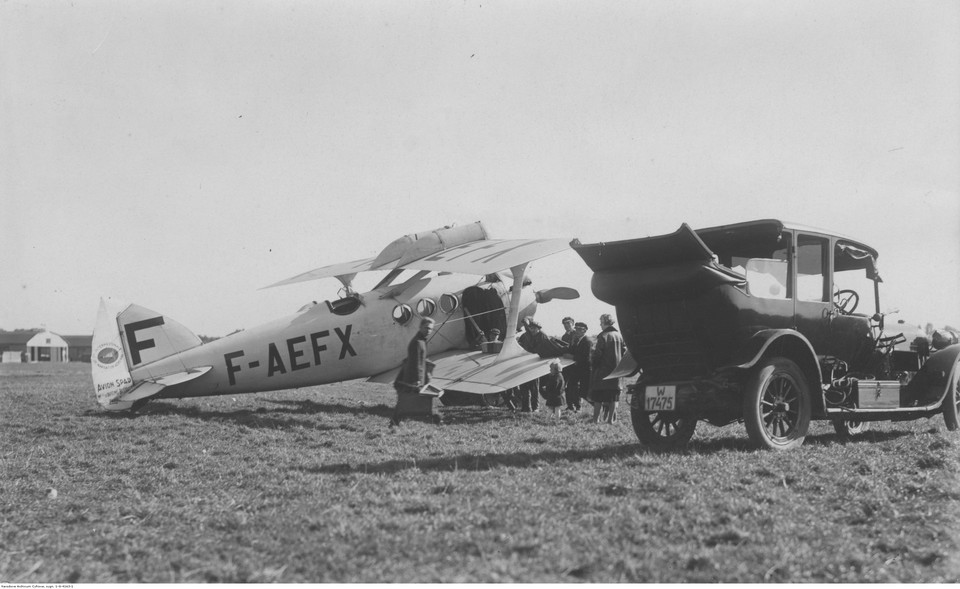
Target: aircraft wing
{"points": [[475, 372], [345, 269], [489, 255], [470, 371], [460, 249]]}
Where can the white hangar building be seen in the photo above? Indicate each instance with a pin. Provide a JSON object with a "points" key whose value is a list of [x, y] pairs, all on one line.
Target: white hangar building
{"points": [[44, 346]]}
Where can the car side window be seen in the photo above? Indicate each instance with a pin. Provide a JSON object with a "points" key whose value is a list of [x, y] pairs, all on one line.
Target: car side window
{"points": [[766, 278], [768, 274], [811, 265]]}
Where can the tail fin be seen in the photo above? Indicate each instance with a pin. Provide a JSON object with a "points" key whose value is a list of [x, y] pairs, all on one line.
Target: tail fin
{"points": [[127, 337]]}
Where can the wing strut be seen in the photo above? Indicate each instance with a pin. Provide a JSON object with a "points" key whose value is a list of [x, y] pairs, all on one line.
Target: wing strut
{"points": [[512, 349]]}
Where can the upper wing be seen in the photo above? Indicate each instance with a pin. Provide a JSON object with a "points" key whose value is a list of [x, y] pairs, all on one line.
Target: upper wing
{"points": [[475, 372], [462, 249], [488, 255], [344, 271]]}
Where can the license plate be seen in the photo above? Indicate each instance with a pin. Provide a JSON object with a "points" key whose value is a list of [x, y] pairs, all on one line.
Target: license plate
{"points": [[660, 398]]}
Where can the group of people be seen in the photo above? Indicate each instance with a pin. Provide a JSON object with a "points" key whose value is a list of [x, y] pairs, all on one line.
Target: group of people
{"points": [[584, 381]]}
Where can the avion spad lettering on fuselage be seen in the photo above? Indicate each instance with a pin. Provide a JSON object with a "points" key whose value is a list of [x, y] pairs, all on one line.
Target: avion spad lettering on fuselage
{"points": [[295, 353]]}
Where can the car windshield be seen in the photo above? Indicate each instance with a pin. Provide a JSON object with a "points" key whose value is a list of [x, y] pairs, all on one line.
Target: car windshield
{"points": [[854, 270]]}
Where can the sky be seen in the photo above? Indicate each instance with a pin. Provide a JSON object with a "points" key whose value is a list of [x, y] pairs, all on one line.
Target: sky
{"points": [[182, 155]]}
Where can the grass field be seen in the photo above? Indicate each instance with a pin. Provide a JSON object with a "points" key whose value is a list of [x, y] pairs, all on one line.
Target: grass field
{"points": [[313, 486]]}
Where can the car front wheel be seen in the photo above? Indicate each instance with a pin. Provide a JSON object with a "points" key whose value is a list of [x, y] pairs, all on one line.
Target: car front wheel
{"points": [[662, 430], [776, 405]]}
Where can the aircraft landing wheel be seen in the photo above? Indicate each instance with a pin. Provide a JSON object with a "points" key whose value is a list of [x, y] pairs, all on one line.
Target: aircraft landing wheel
{"points": [[847, 428], [492, 400]]}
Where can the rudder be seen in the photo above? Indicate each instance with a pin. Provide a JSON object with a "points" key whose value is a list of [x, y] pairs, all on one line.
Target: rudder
{"points": [[128, 337]]}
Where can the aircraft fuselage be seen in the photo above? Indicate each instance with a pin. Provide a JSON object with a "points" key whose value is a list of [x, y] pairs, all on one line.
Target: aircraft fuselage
{"points": [[311, 347]]}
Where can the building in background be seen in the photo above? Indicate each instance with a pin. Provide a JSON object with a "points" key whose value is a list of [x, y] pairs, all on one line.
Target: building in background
{"points": [[44, 346]]}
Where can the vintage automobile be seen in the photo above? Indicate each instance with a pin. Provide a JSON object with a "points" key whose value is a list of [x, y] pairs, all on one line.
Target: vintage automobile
{"points": [[771, 323]]}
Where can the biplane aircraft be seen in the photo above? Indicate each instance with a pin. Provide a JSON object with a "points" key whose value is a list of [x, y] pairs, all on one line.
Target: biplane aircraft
{"points": [[455, 275]]}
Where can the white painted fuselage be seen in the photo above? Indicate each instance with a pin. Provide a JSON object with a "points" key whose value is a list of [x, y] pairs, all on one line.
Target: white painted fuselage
{"points": [[318, 345]]}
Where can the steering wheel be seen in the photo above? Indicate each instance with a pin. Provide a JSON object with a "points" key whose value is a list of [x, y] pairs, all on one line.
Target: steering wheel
{"points": [[846, 301]]}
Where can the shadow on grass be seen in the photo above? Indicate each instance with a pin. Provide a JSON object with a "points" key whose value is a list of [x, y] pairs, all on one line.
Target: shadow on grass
{"points": [[286, 412], [254, 418], [483, 462], [743, 444], [867, 437], [478, 462]]}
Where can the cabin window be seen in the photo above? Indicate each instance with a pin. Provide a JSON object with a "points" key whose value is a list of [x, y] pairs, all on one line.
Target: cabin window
{"points": [[402, 314], [344, 306], [811, 262], [426, 307], [766, 278], [449, 303]]}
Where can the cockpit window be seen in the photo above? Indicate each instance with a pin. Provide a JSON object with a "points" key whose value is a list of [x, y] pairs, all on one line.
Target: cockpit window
{"points": [[344, 306], [449, 303], [426, 307], [402, 314]]}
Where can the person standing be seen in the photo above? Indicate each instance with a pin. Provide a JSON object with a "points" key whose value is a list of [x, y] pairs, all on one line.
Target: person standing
{"points": [[607, 354], [553, 388], [578, 383], [529, 391], [569, 331], [413, 373], [568, 337]]}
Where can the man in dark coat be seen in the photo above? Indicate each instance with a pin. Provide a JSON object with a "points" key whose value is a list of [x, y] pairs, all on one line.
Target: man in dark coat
{"points": [[569, 337], [607, 354], [536, 342], [413, 373], [529, 340], [569, 331], [578, 383]]}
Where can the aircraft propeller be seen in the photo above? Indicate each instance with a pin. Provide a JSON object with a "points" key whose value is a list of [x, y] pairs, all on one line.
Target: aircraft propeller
{"points": [[564, 293]]}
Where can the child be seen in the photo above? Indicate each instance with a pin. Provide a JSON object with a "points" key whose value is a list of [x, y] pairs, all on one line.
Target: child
{"points": [[553, 388]]}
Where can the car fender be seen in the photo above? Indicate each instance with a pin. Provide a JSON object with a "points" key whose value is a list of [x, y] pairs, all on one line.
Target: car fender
{"points": [[787, 343], [931, 384]]}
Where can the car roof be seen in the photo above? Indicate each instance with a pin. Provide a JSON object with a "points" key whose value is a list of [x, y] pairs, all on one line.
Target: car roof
{"points": [[764, 226]]}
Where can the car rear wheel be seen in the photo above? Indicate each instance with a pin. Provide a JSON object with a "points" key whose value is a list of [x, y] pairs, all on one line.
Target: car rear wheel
{"points": [[951, 403], [662, 430], [776, 405], [847, 428]]}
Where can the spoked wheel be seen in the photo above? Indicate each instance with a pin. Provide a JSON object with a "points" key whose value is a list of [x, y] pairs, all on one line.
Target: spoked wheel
{"points": [[847, 428], [662, 430], [951, 403], [492, 400], [776, 405]]}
